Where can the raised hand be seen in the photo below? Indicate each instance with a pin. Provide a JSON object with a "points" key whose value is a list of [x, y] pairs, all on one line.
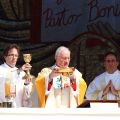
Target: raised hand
{"points": [[53, 74]]}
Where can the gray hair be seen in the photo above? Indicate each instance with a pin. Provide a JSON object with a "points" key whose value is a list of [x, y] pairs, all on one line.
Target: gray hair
{"points": [[60, 50]]}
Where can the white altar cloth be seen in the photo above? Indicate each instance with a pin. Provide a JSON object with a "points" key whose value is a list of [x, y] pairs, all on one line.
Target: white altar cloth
{"points": [[58, 114]]}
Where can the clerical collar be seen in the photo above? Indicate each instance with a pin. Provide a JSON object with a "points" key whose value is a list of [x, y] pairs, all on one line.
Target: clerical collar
{"points": [[10, 68], [8, 65], [112, 73]]}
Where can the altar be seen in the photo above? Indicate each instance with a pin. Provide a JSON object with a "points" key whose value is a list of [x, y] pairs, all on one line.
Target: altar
{"points": [[58, 114]]}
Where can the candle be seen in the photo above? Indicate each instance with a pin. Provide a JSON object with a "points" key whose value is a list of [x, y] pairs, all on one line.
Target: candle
{"points": [[7, 88]]}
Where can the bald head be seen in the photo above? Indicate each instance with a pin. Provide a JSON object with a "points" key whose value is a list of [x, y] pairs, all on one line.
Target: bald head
{"points": [[60, 50]]}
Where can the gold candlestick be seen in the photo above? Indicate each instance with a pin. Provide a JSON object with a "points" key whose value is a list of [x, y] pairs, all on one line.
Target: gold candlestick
{"points": [[10, 93], [7, 89]]}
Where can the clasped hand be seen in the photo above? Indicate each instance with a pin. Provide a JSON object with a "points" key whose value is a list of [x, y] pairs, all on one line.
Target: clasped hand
{"points": [[110, 88]]}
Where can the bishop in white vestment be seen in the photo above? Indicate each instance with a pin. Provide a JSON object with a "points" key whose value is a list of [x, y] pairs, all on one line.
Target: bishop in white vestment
{"points": [[57, 90]]}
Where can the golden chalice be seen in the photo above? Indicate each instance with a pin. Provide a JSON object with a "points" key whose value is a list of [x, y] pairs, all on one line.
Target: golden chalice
{"points": [[27, 58]]}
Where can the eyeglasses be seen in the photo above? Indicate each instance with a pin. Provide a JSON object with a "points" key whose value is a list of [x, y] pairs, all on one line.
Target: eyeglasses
{"points": [[108, 61], [12, 55]]}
